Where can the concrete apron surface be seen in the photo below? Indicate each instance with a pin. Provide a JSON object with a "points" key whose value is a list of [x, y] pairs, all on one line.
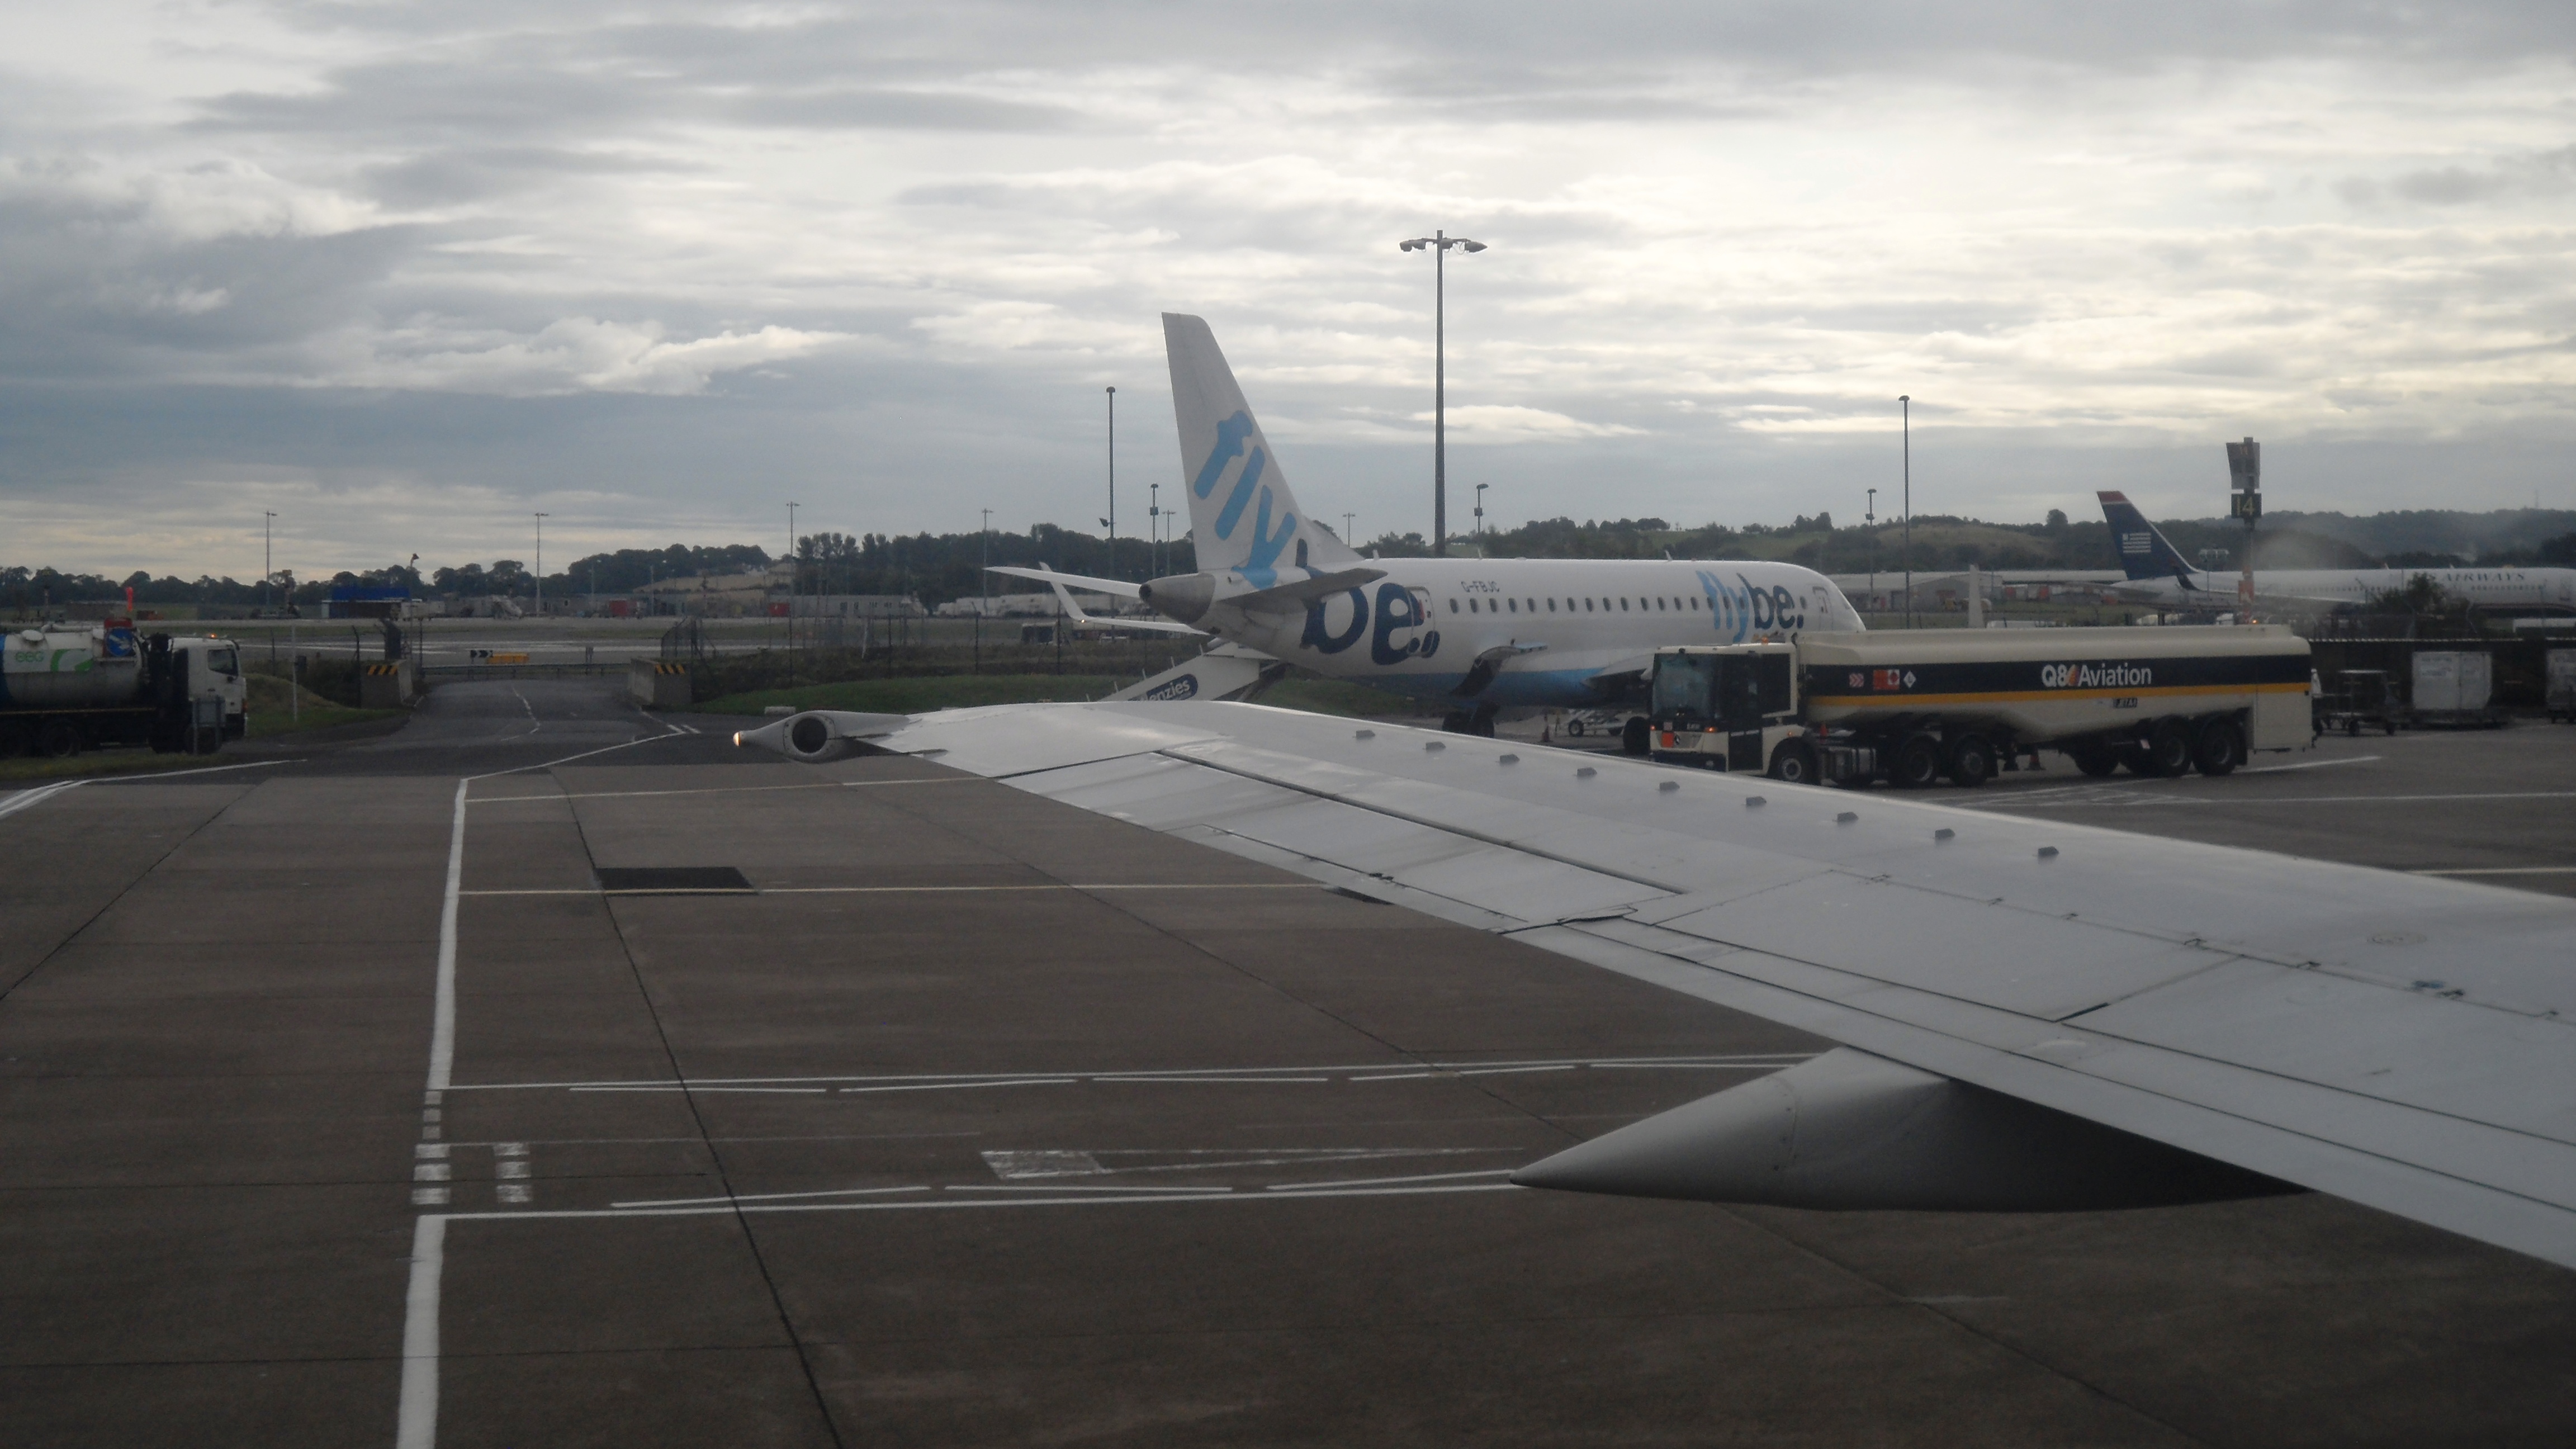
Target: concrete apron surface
{"points": [[975, 1119]]}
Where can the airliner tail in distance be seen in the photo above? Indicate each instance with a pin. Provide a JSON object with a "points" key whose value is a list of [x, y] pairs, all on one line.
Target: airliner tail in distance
{"points": [[2145, 553]]}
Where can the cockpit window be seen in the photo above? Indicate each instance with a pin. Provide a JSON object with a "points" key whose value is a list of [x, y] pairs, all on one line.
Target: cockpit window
{"points": [[224, 661]]}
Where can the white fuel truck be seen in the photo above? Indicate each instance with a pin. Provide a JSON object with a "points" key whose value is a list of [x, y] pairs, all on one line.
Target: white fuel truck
{"points": [[67, 689], [1912, 706]]}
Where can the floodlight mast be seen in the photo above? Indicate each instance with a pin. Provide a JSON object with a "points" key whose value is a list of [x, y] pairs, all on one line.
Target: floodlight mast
{"points": [[1438, 244]]}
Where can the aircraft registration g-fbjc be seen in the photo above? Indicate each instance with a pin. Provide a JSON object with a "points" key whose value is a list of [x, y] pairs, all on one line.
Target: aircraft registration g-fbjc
{"points": [[2033, 1016], [1479, 634]]}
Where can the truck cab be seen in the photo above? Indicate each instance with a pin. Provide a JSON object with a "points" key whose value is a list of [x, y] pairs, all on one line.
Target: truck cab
{"points": [[1736, 708]]}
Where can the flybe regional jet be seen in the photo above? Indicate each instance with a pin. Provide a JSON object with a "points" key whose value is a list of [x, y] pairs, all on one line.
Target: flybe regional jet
{"points": [[1479, 634], [2159, 575]]}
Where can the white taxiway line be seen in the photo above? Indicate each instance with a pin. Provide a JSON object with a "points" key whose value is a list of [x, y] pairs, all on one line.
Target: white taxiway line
{"points": [[2504, 870], [963, 1203], [734, 789], [2311, 765], [1750, 1061], [442, 1031], [891, 890], [416, 1421], [1388, 1181], [29, 799], [2133, 799]]}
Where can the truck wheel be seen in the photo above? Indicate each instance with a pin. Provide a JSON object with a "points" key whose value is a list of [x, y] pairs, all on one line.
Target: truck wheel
{"points": [[2094, 760], [1972, 761], [1574, 729], [2352, 728], [2169, 749], [1917, 763], [2221, 748], [58, 738], [1632, 735], [1793, 763]]}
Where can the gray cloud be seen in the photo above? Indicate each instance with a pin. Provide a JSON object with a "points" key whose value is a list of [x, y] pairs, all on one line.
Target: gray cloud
{"points": [[657, 266]]}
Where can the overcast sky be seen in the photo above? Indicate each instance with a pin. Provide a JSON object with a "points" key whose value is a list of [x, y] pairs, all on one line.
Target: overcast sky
{"points": [[405, 273]]}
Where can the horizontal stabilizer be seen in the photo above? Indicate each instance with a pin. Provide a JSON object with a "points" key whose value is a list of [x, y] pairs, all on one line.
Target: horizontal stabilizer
{"points": [[1288, 598], [1848, 1130], [1084, 582]]}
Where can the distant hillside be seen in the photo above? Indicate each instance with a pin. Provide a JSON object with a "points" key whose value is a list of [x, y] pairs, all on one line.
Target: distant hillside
{"points": [[2423, 539]]}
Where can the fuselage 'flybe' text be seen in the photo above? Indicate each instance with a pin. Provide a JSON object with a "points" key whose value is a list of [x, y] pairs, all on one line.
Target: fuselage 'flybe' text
{"points": [[1480, 633], [2158, 574]]}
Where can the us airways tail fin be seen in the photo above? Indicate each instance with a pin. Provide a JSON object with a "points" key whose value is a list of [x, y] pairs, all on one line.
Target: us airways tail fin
{"points": [[2144, 553], [1242, 516]]}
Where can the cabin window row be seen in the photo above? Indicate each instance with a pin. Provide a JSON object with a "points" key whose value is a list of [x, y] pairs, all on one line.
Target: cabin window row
{"points": [[1683, 602]]}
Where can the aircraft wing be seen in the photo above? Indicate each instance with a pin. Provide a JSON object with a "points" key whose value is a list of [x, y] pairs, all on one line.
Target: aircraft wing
{"points": [[2401, 1041]]}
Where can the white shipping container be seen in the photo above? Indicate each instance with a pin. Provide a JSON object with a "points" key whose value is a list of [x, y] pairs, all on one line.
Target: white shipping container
{"points": [[2449, 680], [2562, 683]]}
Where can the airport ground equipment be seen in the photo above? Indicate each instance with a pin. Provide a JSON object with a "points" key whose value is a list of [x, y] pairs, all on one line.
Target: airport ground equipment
{"points": [[2454, 689], [1588, 721], [2399, 1040], [63, 691], [2561, 697], [2362, 699], [1914, 706]]}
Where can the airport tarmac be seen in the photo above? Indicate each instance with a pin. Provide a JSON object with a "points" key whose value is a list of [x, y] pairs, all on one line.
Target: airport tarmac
{"points": [[963, 1117]]}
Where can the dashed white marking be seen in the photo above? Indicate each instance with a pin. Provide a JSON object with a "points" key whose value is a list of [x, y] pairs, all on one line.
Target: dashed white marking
{"points": [[429, 1151], [1011, 1166], [429, 1197], [513, 1192], [689, 1087], [430, 1171], [516, 1167]]}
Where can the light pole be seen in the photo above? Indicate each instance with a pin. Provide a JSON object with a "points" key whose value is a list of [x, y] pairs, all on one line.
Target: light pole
{"points": [[985, 542], [267, 558], [1438, 244], [791, 595], [1906, 402], [1480, 508], [1111, 522], [541, 564], [1346, 530], [1869, 515]]}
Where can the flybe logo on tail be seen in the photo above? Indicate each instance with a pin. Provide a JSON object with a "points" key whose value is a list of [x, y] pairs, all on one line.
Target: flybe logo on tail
{"points": [[1233, 439]]}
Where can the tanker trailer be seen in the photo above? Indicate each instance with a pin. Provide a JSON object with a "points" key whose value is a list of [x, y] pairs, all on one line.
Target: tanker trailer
{"points": [[68, 689]]}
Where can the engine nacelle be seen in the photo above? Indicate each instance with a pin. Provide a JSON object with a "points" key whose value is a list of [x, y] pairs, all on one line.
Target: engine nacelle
{"points": [[819, 735]]}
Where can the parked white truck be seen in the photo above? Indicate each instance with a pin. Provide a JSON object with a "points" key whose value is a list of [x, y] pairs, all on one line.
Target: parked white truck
{"points": [[1913, 706], [65, 689]]}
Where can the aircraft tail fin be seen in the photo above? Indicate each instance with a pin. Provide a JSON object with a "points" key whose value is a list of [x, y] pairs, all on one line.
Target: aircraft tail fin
{"points": [[1242, 516], [2144, 552]]}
